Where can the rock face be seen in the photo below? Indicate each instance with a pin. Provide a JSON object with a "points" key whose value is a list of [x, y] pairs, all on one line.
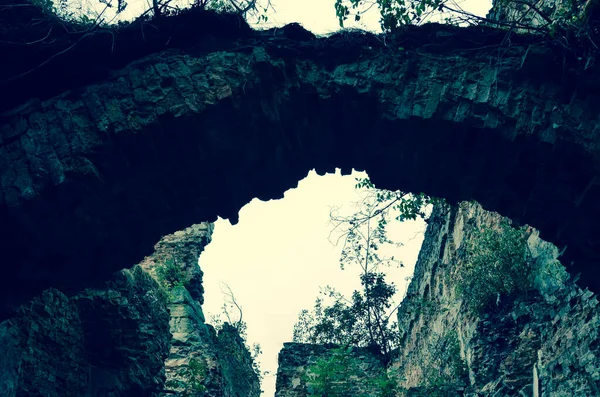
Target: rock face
{"points": [[102, 342], [239, 378], [91, 177], [135, 336], [554, 329]]}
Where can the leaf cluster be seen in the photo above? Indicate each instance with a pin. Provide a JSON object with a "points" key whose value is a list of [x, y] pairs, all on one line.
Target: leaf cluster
{"points": [[171, 275], [497, 264], [326, 377], [109, 12], [346, 321], [365, 231], [571, 23]]}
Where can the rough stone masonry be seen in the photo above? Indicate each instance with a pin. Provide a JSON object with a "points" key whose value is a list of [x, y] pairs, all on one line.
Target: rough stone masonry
{"points": [[153, 140]]}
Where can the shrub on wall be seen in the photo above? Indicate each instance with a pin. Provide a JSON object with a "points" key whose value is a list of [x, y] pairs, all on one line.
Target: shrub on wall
{"points": [[171, 275], [497, 264]]}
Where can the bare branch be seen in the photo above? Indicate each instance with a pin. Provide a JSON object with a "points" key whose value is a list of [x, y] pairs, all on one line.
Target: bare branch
{"points": [[242, 11], [228, 293], [534, 8], [495, 22]]}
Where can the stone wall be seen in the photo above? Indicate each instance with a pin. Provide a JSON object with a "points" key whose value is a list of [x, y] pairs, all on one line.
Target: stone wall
{"points": [[296, 368], [445, 345], [42, 349], [135, 336], [240, 379], [221, 361]]}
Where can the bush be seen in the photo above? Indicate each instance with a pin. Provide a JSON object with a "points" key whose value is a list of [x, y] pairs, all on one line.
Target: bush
{"points": [[171, 275], [497, 264], [364, 320]]}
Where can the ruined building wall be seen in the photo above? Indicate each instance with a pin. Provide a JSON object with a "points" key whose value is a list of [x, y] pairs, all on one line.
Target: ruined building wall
{"points": [[296, 366], [554, 328], [132, 337], [102, 342]]}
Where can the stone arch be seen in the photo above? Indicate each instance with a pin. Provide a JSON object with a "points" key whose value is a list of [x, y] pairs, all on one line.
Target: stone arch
{"points": [[92, 178]]}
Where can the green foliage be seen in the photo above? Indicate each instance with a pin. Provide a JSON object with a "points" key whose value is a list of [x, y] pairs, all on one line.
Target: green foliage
{"points": [[404, 206], [328, 374], [190, 379], [497, 264], [364, 319], [346, 322], [47, 6], [423, 307], [196, 372], [171, 275], [331, 375], [92, 14], [561, 22], [255, 353], [239, 358], [457, 367], [394, 13], [84, 15], [364, 231]]}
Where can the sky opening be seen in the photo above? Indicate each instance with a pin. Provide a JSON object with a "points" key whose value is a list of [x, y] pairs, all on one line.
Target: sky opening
{"points": [[280, 254]]}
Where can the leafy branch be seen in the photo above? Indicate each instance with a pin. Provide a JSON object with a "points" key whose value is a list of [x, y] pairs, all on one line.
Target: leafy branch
{"points": [[571, 24], [364, 319]]}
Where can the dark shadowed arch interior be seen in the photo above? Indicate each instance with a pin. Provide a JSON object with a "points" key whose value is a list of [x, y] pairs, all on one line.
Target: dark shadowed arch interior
{"points": [[93, 178]]}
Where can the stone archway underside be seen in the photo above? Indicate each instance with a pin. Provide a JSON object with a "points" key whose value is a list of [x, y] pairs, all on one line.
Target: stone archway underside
{"points": [[92, 178]]}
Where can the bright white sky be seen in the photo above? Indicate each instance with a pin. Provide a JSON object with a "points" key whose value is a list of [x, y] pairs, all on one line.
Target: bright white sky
{"points": [[278, 255]]}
